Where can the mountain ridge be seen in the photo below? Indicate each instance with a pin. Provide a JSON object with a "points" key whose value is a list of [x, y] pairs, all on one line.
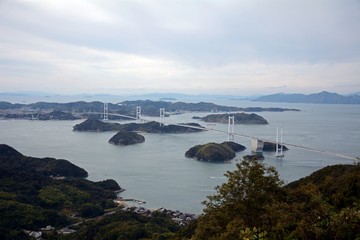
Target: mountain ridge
{"points": [[323, 97]]}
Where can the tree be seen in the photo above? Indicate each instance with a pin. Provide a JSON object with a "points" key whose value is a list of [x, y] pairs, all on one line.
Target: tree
{"points": [[89, 210], [238, 206]]}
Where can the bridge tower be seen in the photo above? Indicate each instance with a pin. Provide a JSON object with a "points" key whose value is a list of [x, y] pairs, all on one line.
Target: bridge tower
{"points": [[162, 117], [138, 112], [279, 147], [231, 129], [106, 112]]}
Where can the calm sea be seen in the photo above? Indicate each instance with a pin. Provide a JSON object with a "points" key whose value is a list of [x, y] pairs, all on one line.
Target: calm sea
{"points": [[157, 172]]}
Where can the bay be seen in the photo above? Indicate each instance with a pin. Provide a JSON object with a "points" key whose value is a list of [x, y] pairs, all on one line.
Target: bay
{"points": [[157, 171]]}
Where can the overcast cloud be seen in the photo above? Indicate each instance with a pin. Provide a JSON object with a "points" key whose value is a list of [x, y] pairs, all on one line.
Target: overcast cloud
{"points": [[205, 46]]}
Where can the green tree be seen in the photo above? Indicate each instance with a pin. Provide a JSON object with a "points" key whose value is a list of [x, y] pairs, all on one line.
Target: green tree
{"points": [[89, 210], [240, 203]]}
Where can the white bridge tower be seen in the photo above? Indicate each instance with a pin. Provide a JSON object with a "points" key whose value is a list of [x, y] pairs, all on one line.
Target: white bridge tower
{"points": [[162, 117], [279, 147], [138, 112], [106, 112], [231, 129]]}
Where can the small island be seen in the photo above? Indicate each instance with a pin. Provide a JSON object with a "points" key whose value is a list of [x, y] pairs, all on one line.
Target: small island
{"points": [[126, 138], [215, 152], [271, 147], [240, 118]]}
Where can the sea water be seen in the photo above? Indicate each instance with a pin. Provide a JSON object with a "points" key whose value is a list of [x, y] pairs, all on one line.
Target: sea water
{"points": [[157, 171]]}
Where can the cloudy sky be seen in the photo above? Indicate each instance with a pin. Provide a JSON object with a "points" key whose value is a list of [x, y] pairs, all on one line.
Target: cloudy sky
{"points": [[238, 47]]}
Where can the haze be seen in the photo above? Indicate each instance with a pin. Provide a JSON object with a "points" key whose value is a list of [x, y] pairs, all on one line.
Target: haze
{"points": [[205, 46]]}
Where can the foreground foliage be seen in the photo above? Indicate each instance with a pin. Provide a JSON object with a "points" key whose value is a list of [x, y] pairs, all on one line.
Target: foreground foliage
{"points": [[126, 225], [254, 204]]}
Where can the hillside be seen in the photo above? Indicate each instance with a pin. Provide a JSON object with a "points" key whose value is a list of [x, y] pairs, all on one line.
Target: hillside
{"points": [[339, 184], [69, 207], [322, 97], [37, 192], [14, 162], [254, 204]]}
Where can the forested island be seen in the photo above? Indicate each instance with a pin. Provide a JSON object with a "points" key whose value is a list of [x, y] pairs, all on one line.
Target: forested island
{"points": [[94, 125], [126, 138], [50, 198], [214, 152], [240, 118]]}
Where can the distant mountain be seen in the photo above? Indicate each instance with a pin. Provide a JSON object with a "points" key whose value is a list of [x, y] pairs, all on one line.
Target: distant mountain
{"points": [[322, 97], [354, 93]]}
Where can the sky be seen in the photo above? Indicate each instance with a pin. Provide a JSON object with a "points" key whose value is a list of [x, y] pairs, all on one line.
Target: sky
{"points": [[240, 47]]}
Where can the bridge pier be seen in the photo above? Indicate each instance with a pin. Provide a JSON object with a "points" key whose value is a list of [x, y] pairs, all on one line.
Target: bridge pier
{"points": [[257, 145]]}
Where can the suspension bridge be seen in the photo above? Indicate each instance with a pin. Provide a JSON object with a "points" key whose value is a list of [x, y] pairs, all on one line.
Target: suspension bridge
{"points": [[256, 142]]}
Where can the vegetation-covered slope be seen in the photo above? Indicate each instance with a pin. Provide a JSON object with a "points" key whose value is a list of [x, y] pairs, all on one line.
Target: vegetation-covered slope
{"points": [[214, 152], [126, 138], [92, 125], [254, 204], [241, 118], [31, 200], [36, 192], [13, 162], [95, 125]]}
